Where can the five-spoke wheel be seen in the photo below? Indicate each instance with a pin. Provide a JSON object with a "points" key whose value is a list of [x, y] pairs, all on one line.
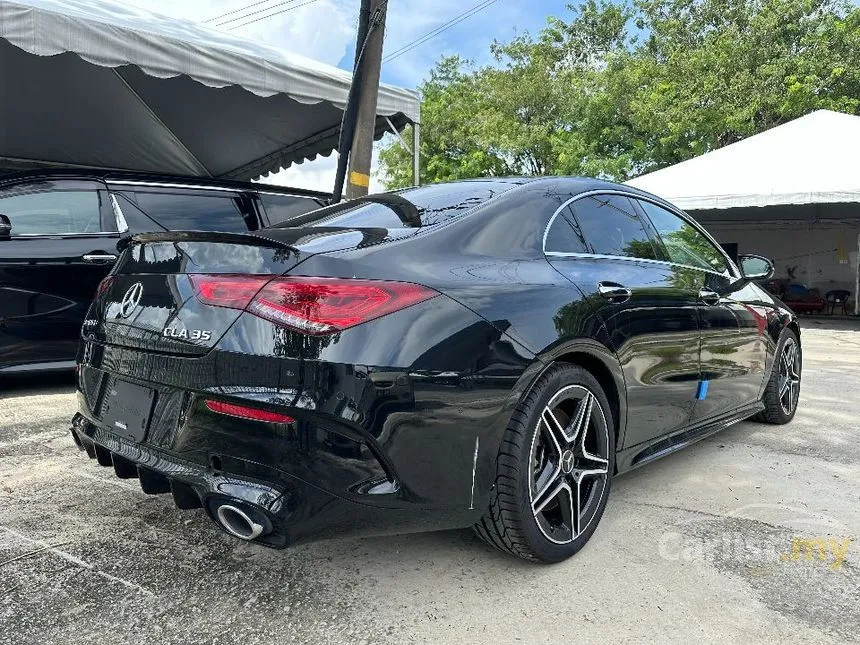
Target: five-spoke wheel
{"points": [[782, 391], [554, 469], [789, 376], [569, 463]]}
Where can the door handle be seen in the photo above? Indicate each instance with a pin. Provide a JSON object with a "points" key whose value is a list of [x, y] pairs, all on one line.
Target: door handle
{"points": [[613, 291], [99, 258], [709, 297]]}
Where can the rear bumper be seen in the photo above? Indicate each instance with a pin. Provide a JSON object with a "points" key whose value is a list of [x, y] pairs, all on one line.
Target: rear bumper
{"points": [[295, 511], [373, 450]]}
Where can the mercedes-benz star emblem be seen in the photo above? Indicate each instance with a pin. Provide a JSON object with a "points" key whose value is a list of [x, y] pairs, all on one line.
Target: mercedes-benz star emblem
{"points": [[567, 462], [131, 300]]}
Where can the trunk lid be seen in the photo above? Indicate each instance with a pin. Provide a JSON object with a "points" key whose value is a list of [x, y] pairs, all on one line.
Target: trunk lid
{"points": [[149, 301]]}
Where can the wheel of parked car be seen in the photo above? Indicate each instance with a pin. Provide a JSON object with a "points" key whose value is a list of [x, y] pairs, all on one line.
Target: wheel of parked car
{"points": [[554, 468], [783, 389]]}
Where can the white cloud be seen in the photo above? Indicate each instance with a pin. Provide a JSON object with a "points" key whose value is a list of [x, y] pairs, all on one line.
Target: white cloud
{"points": [[322, 30]]}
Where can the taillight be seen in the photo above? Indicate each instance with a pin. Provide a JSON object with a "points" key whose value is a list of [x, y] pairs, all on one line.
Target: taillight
{"points": [[314, 306], [244, 412], [231, 291], [104, 285]]}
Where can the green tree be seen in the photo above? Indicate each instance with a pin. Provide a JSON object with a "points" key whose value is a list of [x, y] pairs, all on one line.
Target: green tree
{"points": [[591, 95]]}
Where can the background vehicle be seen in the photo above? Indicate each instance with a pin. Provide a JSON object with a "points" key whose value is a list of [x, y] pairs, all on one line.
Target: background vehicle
{"points": [[482, 353], [64, 228]]}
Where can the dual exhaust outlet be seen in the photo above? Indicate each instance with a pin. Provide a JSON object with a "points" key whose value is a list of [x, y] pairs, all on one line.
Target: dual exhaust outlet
{"points": [[244, 524]]}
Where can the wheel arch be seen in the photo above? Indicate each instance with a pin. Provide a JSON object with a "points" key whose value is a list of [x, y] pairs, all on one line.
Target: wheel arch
{"points": [[601, 363], [795, 327]]}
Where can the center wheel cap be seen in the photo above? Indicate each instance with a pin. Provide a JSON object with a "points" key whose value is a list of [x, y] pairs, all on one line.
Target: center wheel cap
{"points": [[567, 461]]}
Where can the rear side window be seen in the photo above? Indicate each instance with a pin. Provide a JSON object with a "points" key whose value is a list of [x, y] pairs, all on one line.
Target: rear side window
{"points": [[135, 219], [435, 204], [564, 235], [611, 226], [191, 212], [283, 208], [684, 244], [61, 212]]}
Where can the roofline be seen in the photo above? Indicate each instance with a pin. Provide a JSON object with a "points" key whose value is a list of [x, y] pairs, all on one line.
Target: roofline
{"points": [[142, 178]]}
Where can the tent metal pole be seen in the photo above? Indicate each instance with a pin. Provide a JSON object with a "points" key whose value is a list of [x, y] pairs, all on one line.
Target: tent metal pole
{"points": [[416, 166], [857, 281], [397, 134]]}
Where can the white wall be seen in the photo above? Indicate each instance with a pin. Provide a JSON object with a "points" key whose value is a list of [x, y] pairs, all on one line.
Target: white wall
{"points": [[825, 254]]}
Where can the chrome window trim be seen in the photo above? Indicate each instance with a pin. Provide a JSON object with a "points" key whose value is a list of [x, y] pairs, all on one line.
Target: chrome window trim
{"points": [[733, 271], [152, 184], [61, 235], [223, 189], [269, 192]]}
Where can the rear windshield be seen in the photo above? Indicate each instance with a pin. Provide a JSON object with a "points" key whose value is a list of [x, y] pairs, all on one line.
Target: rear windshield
{"points": [[435, 204]]}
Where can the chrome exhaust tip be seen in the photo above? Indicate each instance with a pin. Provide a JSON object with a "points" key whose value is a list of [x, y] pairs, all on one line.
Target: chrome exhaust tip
{"points": [[237, 522]]}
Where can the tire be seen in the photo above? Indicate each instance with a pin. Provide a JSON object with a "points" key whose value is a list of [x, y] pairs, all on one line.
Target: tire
{"points": [[779, 405], [531, 514]]}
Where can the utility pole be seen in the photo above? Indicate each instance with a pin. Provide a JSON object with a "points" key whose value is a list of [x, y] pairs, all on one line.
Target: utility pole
{"points": [[358, 178]]}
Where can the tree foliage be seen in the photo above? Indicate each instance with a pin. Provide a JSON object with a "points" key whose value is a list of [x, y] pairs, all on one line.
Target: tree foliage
{"points": [[616, 89]]}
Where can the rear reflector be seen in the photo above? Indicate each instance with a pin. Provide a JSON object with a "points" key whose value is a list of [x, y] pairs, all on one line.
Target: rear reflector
{"points": [[314, 306], [245, 412]]}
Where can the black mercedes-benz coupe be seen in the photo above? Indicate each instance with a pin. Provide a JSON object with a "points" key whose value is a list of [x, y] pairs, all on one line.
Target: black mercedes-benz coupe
{"points": [[483, 353]]}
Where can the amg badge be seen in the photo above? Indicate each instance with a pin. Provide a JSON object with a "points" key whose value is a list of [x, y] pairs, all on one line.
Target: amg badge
{"points": [[187, 334]]}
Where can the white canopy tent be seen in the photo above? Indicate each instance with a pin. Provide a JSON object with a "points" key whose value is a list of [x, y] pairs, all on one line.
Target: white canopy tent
{"points": [[794, 188], [810, 160], [90, 83]]}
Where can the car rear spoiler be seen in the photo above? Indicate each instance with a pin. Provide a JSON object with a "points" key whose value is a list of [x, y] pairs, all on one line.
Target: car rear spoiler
{"points": [[250, 239]]}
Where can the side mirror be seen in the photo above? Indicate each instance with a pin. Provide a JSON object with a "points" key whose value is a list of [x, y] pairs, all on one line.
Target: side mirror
{"points": [[755, 267], [5, 226]]}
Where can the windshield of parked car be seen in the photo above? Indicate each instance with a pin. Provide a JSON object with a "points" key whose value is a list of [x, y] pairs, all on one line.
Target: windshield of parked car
{"points": [[423, 206]]}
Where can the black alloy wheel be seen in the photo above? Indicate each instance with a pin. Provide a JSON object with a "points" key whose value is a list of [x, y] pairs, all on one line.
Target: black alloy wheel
{"points": [[782, 392], [554, 470], [569, 465]]}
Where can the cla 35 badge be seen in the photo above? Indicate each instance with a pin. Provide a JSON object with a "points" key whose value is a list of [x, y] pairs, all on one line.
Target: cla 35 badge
{"points": [[187, 334]]}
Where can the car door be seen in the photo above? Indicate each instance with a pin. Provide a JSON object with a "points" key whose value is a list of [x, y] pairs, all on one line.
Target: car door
{"points": [[62, 244], [647, 305], [733, 330]]}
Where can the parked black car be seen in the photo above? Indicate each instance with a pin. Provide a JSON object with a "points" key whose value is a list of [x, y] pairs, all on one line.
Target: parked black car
{"points": [[58, 237], [484, 353]]}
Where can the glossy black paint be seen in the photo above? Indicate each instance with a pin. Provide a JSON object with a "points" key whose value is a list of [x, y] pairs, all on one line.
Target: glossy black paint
{"points": [[398, 421], [48, 281]]}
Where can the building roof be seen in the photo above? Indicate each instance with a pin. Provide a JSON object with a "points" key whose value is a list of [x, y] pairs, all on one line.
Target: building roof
{"points": [[813, 159]]}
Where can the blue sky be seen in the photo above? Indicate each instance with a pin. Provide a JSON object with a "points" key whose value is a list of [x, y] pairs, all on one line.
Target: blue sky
{"points": [[325, 30], [471, 38]]}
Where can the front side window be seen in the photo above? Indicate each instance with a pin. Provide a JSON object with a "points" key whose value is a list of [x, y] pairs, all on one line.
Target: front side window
{"points": [[177, 212], [61, 212], [684, 244], [611, 226]]}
